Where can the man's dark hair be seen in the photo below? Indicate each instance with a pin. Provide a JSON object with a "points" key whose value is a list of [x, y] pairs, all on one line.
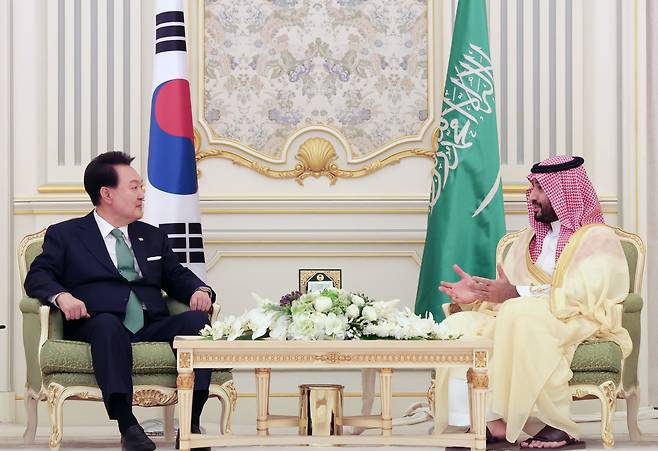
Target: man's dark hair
{"points": [[101, 172]]}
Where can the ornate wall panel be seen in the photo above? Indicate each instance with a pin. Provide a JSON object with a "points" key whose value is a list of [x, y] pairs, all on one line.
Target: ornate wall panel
{"points": [[272, 68], [344, 81]]}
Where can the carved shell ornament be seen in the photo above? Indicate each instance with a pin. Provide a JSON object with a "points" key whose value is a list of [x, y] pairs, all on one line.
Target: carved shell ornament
{"points": [[316, 158]]}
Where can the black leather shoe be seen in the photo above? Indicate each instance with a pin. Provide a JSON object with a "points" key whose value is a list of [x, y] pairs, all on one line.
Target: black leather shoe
{"points": [[136, 440], [195, 430]]}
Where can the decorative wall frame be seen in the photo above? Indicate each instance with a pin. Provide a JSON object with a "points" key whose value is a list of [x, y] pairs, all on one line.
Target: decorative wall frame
{"points": [[337, 90], [318, 276]]}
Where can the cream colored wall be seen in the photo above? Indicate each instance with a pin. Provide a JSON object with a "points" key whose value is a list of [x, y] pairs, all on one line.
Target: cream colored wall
{"points": [[259, 231], [652, 183], [6, 267]]}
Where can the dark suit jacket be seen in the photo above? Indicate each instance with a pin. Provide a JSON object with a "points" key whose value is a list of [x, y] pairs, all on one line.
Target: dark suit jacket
{"points": [[75, 259]]}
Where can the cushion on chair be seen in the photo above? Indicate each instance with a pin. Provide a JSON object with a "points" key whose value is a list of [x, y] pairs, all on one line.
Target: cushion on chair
{"points": [[597, 356], [594, 377], [165, 379], [596, 362], [67, 356]]}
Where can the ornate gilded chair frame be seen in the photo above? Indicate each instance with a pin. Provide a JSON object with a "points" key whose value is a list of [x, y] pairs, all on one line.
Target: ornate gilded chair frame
{"points": [[143, 395]]}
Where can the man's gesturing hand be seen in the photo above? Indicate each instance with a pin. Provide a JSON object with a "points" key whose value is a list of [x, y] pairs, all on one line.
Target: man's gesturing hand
{"points": [[73, 308], [200, 301], [465, 291], [498, 290]]}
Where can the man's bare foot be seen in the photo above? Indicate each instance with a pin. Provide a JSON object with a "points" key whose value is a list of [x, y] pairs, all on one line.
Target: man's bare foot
{"points": [[497, 428], [540, 444]]}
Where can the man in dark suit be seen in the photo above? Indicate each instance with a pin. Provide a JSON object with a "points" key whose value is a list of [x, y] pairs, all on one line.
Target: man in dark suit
{"points": [[106, 272]]}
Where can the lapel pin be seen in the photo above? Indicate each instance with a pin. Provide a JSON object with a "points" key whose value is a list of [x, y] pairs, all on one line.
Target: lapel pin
{"points": [[140, 238]]}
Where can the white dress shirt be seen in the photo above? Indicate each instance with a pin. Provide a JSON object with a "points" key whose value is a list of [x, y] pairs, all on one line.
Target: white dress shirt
{"points": [[110, 244]]}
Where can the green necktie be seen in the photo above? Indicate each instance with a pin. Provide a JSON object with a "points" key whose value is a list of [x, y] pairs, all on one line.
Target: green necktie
{"points": [[126, 264]]}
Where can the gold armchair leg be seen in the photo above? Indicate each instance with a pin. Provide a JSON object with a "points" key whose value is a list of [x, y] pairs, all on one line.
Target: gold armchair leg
{"points": [[228, 396], [55, 404], [608, 404]]}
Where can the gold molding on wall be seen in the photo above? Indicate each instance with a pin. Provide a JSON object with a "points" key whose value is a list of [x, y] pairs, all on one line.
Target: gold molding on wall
{"points": [[515, 188], [219, 255], [316, 158], [214, 241], [61, 189], [285, 211], [300, 172], [512, 188]]}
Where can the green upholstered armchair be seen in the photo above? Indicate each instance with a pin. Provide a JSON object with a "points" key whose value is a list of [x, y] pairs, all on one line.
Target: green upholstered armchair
{"points": [[598, 368], [59, 369]]}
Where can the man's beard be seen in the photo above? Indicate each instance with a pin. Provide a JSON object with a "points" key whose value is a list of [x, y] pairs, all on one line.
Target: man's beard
{"points": [[547, 218]]}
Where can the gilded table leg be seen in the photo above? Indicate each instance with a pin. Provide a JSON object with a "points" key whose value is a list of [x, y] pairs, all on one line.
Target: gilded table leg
{"points": [[262, 400], [185, 385], [385, 378], [479, 385]]}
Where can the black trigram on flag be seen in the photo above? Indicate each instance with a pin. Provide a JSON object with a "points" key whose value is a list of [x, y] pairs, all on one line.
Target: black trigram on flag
{"points": [[170, 32], [186, 241]]}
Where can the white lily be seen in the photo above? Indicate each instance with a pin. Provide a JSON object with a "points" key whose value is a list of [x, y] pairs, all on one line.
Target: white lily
{"points": [[258, 321], [279, 327], [234, 327]]}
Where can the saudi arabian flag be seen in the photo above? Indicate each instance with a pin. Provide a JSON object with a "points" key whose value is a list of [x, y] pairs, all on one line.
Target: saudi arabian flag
{"points": [[466, 217]]}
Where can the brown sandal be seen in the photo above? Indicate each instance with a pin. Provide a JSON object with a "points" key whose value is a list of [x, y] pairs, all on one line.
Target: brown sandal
{"points": [[550, 434]]}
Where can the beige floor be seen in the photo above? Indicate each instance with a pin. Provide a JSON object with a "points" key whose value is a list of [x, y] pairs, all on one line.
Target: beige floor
{"points": [[104, 438]]}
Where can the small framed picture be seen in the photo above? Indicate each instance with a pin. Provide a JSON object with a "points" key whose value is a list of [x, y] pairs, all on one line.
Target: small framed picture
{"points": [[318, 279]]}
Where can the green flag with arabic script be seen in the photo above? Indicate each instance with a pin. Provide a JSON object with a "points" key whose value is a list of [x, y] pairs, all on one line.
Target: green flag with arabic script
{"points": [[466, 217]]}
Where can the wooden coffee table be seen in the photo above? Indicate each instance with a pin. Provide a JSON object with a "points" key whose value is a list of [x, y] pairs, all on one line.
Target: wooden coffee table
{"points": [[384, 355]]}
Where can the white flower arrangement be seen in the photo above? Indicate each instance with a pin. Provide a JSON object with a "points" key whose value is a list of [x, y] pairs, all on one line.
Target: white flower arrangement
{"points": [[331, 314]]}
